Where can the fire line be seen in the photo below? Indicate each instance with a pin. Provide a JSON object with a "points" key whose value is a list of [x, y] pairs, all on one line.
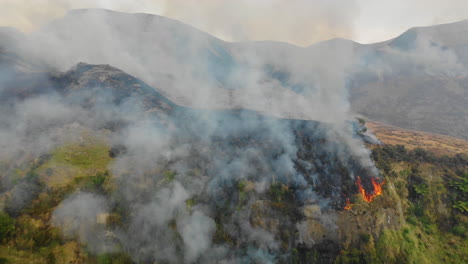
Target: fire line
{"points": [[368, 197]]}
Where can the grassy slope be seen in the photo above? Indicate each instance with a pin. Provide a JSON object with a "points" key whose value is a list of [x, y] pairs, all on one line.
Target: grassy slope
{"points": [[81, 159], [424, 193], [411, 139], [82, 164], [429, 190]]}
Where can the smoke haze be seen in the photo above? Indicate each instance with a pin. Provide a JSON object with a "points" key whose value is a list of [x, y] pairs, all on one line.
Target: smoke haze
{"points": [[301, 22], [207, 137]]}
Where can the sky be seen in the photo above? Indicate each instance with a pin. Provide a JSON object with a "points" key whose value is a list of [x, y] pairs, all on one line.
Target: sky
{"points": [[300, 22]]}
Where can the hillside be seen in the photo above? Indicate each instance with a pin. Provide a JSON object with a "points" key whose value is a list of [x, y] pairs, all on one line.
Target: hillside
{"points": [[133, 138], [117, 165], [416, 81], [412, 139], [416, 219], [94, 143]]}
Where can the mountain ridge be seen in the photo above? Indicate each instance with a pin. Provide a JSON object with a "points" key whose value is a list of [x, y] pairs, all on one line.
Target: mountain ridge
{"points": [[99, 167], [264, 76]]}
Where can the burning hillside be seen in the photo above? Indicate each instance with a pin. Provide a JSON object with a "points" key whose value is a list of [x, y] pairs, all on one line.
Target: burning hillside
{"points": [[376, 189], [368, 195], [198, 171], [99, 166]]}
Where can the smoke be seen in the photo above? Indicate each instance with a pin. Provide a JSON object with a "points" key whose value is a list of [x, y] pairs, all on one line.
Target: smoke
{"points": [[191, 185], [418, 50], [149, 235], [35, 126], [82, 216], [379, 19], [22, 193], [299, 21], [197, 233], [260, 76]]}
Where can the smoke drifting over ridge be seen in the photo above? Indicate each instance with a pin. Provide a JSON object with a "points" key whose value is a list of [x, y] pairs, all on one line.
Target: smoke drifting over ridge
{"points": [[181, 170], [300, 22], [155, 50]]}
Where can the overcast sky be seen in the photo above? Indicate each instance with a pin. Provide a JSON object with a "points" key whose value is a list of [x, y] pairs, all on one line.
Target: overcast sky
{"points": [[301, 22]]}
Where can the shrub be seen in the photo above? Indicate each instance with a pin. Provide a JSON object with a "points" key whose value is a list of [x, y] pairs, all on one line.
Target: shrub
{"points": [[7, 227], [114, 258]]}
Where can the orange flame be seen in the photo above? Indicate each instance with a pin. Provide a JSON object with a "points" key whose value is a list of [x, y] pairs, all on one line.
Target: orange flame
{"points": [[368, 197], [348, 205]]}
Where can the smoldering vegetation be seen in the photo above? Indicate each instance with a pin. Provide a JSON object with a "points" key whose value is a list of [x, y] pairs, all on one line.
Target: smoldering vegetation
{"points": [[188, 185], [185, 185]]}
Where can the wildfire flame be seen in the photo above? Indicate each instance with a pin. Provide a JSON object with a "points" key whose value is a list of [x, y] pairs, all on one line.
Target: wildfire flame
{"points": [[368, 197], [348, 205]]}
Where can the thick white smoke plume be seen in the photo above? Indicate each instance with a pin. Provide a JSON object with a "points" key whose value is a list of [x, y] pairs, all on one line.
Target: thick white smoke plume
{"points": [[184, 177]]}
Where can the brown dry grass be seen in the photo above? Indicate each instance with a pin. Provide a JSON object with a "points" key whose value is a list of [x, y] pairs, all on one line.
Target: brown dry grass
{"points": [[411, 139]]}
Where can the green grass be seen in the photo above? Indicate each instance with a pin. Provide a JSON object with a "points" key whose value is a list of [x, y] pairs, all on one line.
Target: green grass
{"points": [[91, 154], [112, 258], [403, 246], [14, 256], [7, 227], [412, 245], [73, 165], [90, 157], [431, 192]]}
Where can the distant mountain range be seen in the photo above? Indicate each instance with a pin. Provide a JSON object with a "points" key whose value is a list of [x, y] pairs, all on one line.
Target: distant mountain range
{"points": [[418, 80]]}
